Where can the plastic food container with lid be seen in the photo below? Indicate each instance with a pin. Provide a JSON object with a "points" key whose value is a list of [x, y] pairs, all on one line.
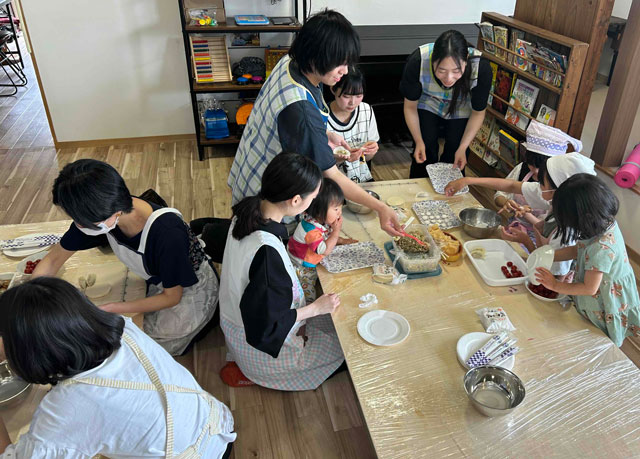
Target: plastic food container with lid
{"points": [[413, 263]]}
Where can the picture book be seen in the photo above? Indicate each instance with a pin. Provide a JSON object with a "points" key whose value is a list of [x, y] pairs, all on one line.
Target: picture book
{"points": [[486, 29], [485, 130], [546, 115], [490, 158], [508, 148], [522, 51], [523, 98], [502, 89], [515, 34], [494, 72], [501, 33], [476, 147], [494, 138]]}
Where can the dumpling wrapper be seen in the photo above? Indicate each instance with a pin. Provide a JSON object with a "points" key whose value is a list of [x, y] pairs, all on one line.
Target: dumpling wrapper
{"points": [[98, 290]]}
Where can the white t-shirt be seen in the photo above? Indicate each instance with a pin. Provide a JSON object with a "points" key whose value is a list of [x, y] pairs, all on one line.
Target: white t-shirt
{"points": [[533, 195], [513, 175], [360, 129], [80, 420]]}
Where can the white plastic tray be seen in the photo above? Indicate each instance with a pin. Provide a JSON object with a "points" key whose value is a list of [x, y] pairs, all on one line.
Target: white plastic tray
{"points": [[499, 252]]}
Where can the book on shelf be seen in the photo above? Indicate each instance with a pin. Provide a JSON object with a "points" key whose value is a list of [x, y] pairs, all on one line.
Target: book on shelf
{"points": [[521, 49], [476, 147], [514, 35], [508, 148], [485, 130], [546, 115], [501, 33], [494, 138], [490, 158], [523, 98], [494, 72], [502, 89], [486, 29]]}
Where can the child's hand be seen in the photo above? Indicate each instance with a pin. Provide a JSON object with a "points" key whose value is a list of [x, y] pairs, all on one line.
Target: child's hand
{"points": [[370, 149], [356, 154], [336, 225], [514, 233], [513, 207], [540, 239], [346, 241], [546, 278], [454, 186]]}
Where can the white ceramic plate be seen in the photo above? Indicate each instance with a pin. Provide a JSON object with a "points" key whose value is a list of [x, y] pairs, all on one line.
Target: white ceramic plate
{"points": [[541, 298], [383, 328], [498, 254], [542, 257], [19, 253], [471, 342]]}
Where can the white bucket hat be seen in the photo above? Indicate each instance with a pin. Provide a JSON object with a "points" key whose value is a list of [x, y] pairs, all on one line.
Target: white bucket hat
{"points": [[548, 141], [562, 167]]}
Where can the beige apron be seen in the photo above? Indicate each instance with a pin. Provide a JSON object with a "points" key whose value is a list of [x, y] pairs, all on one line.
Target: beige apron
{"points": [[211, 427]]}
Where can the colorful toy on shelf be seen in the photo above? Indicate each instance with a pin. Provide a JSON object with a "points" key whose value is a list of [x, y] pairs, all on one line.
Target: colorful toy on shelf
{"points": [[257, 79], [242, 81], [243, 112], [272, 56], [210, 59], [202, 16]]}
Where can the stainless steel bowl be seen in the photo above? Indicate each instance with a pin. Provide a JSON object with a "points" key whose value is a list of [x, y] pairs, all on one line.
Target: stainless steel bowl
{"points": [[12, 388], [479, 223], [493, 391], [359, 208]]}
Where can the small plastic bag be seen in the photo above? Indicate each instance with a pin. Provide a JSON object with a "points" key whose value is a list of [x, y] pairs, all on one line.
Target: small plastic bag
{"points": [[495, 320], [385, 274], [368, 300]]}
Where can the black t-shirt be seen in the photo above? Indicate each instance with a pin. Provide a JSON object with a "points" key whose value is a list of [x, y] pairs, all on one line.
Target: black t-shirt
{"points": [[170, 255], [411, 88], [266, 302], [301, 128]]}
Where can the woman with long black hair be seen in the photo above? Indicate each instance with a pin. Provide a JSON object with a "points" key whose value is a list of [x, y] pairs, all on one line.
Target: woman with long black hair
{"points": [[446, 84], [274, 338]]}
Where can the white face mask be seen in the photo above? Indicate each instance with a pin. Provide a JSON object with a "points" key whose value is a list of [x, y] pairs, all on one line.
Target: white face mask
{"points": [[104, 229]]}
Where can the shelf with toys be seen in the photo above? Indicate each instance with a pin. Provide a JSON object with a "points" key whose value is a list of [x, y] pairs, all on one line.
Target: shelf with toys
{"points": [[209, 65], [536, 74]]}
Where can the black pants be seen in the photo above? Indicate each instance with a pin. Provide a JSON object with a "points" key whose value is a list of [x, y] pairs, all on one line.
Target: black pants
{"points": [[430, 126]]}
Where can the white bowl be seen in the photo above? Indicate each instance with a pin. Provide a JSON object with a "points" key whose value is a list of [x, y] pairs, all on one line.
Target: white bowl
{"points": [[542, 257], [20, 267], [541, 298]]}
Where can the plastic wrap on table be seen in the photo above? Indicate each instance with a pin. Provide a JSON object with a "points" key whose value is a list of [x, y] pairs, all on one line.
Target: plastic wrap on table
{"points": [[582, 395], [575, 386], [100, 261]]}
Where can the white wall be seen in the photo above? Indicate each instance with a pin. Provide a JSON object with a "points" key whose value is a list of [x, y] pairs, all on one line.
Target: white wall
{"points": [[621, 8], [111, 68], [398, 12]]}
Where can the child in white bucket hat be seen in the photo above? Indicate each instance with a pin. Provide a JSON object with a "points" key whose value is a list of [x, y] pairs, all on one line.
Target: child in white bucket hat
{"points": [[542, 143]]}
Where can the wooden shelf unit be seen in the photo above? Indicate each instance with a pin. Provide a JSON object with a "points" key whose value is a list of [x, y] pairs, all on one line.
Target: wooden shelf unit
{"points": [[222, 86], [561, 99]]}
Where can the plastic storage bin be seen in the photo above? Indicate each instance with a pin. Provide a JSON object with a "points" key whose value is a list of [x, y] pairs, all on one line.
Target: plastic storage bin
{"points": [[413, 263]]}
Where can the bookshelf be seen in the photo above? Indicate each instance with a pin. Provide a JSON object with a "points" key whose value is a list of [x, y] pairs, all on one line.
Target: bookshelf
{"points": [[561, 98]]}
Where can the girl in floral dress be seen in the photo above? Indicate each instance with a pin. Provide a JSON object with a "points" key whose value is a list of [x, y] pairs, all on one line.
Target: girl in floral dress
{"points": [[604, 289]]}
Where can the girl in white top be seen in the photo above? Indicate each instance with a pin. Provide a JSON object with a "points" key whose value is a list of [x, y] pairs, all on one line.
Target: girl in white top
{"points": [[115, 391], [354, 120]]}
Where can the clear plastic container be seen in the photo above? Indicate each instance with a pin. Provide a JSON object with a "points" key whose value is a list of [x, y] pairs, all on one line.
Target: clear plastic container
{"points": [[413, 263]]}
